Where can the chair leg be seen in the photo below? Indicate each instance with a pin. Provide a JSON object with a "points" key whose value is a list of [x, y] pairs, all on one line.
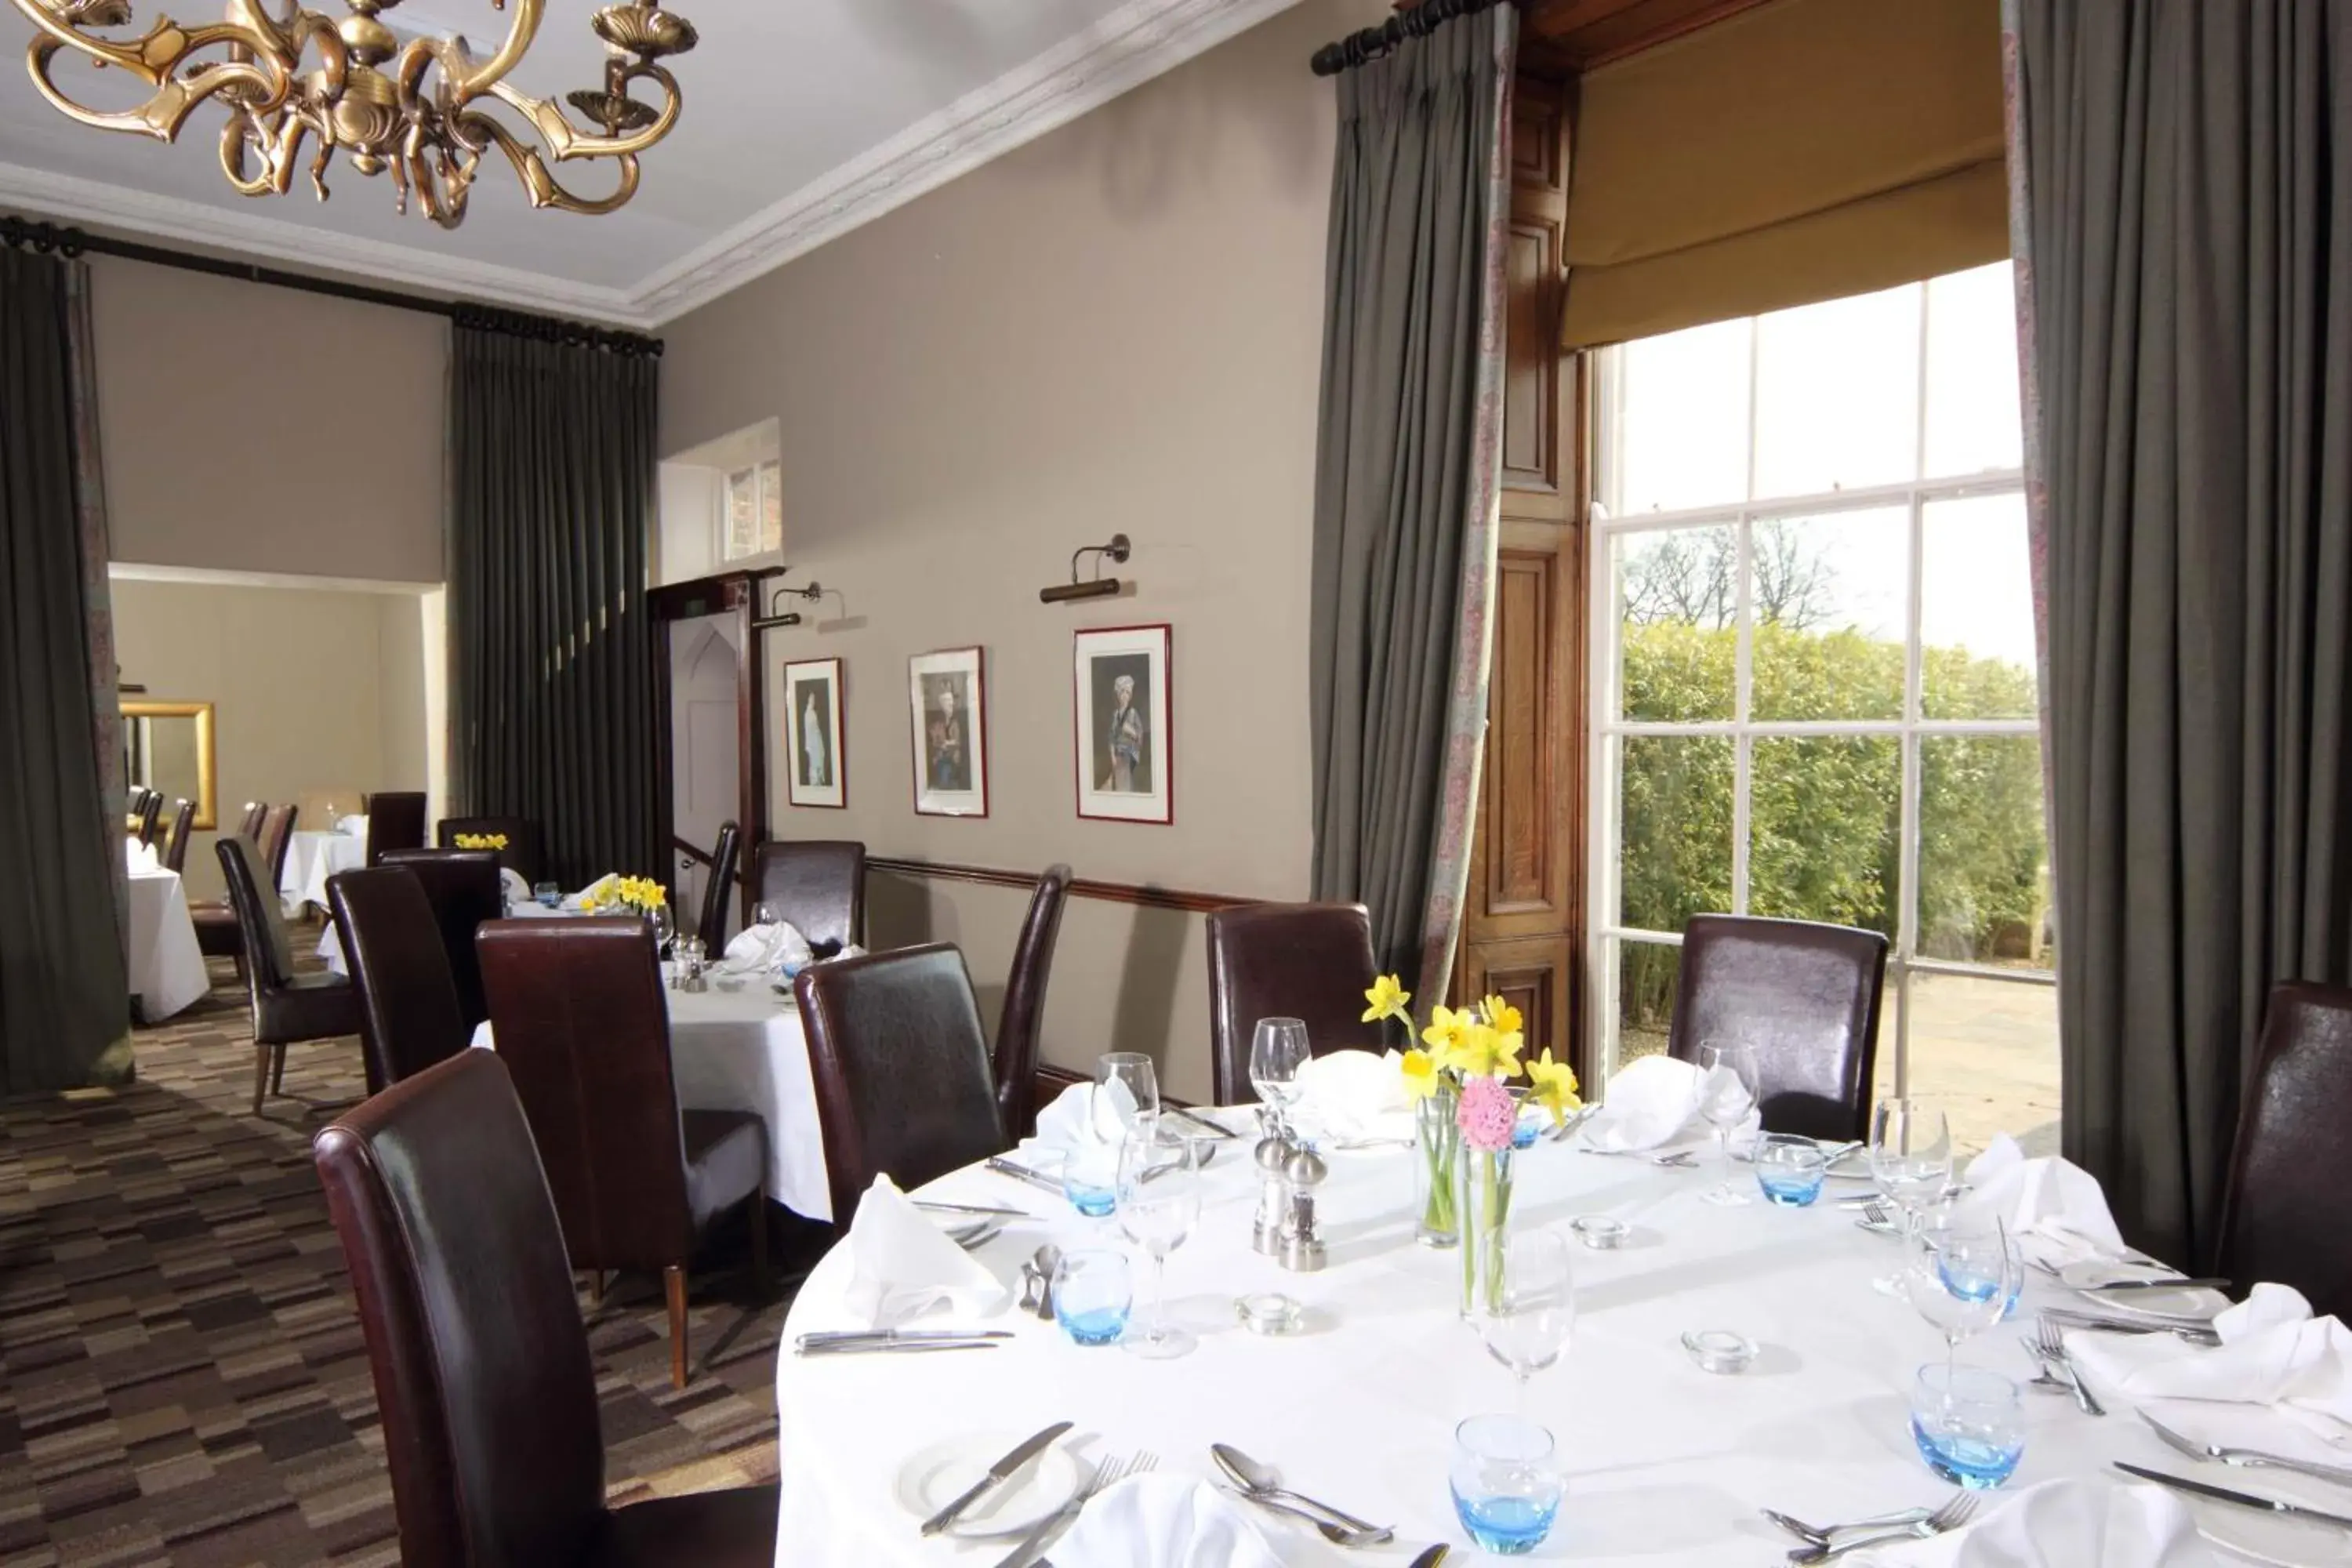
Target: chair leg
{"points": [[759, 1241], [260, 1075], [673, 1285], [277, 1072]]}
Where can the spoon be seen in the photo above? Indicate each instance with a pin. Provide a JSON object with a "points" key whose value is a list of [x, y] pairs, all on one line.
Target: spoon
{"points": [[1261, 1482], [1815, 1535], [1337, 1534]]}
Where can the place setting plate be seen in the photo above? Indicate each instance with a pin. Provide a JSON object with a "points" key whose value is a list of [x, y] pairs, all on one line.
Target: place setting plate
{"points": [[2166, 1306], [2278, 1540], [935, 1476]]}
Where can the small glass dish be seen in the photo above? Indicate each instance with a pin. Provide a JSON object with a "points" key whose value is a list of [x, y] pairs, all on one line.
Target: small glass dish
{"points": [[1600, 1232], [1790, 1169], [1270, 1312], [1720, 1351]]}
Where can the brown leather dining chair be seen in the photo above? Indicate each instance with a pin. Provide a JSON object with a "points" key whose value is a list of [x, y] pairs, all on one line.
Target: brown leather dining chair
{"points": [[175, 849], [1017, 1027], [481, 1365], [276, 838], [217, 932], [819, 886], [719, 888], [521, 854], [1309, 962], [250, 826], [577, 1012], [876, 1025], [409, 1016], [2282, 1210], [151, 814], [396, 820], [287, 1009], [464, 890], [1805, 995]]}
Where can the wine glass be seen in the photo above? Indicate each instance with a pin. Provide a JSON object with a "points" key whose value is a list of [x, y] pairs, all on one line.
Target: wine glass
{"points": [[1158, 1204], [766, 914], [1526, 1311], [1911, 1160], [665, 926], [1276, 1053], [1961, 1277], [1125, 1099], [1727, 1097]]}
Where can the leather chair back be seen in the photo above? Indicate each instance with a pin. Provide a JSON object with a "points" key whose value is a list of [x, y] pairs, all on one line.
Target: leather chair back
{"points": [[902, 1067], [817, 884], [1805, 995], [253, 894], [175, 849], [521, 855], [150, 813], [2282, 1213], [409, 1016], [719, 888], [276, 838], [1309, 962], [249, 826], [464, 887], [576, 1005], [396, 820], [481, 1359], [1018, 1025]]}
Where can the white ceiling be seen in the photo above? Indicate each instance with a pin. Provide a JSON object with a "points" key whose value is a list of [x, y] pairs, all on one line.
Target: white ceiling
{"points": [[802, 120]]}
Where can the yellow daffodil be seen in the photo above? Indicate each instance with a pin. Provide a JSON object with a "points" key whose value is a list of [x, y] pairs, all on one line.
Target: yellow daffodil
{"points": [[1420, 1074], [1555, 1085], [1388, 999], [1481, 1050], [1444, 1033], [588, 903], [1502, 1015]]}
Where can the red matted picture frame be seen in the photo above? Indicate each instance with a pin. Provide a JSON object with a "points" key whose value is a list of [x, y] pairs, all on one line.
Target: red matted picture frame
{"points": [[1122, 723], [946, 702], [817, 752]]}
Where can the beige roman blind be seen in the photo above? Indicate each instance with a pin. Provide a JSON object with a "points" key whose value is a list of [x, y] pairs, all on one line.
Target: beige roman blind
{"points": [[1796, 151]]}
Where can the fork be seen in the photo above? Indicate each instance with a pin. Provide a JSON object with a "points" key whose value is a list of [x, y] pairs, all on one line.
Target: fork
{"points": [[1108, 1471], [2053, 1346], [2251, 1458], [1950, 1517], [1680, 1158], [1876, 1216]]}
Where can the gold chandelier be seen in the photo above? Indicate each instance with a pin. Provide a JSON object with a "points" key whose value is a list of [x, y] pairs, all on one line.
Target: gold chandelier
{"points": [[413, 108]]}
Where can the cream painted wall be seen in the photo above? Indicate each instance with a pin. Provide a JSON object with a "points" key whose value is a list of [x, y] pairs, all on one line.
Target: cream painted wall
{"points": [[257, 429], [1115, 328]]}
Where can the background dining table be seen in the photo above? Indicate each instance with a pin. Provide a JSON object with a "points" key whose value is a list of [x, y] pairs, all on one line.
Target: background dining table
{"points": [[167, 968], [314, 855]]}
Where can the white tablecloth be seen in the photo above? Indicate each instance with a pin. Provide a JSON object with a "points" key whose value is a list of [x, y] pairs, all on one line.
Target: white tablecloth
{"points": [[1666, 1464], [331, 939], [167, 969], [743, 1050], [312, 857]]}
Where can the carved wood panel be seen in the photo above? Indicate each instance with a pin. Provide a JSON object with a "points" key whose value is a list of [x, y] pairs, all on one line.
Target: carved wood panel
{"points": [[1538, 976]]}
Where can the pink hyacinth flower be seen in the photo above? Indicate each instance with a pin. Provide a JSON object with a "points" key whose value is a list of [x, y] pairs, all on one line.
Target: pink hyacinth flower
{"points": [[1486, 1115]]}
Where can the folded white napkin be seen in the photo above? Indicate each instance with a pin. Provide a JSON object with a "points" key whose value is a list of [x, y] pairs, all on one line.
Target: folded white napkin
{"points": [[1647, 1104], [1070, 1125], [901, 1265], [139, 857], [2273, 1353], [518, 892], [354, 825], [2066, 1524], [599, 890], [1163, 1521], [757, 949], [1354, 1094], [2052, 1206]]}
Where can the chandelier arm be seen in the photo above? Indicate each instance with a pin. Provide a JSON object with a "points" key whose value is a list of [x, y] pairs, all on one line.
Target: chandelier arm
{"points": [[440, 195], [565, 142], [469, 80], [541, 187], [264, 84], [278, 148]]}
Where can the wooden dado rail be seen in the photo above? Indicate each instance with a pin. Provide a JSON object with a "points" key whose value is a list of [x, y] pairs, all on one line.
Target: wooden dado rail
{"points": [[1149, 898]]}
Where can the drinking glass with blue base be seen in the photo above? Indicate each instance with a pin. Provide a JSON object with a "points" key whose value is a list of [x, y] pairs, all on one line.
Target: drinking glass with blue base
{"points": [[1507, 1489], [1094, 1290], [1969, 1423], [1789, 1169]]}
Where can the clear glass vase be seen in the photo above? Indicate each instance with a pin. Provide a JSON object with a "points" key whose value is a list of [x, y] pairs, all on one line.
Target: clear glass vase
{"points": [[1438, 1154], [1483, 1201]]}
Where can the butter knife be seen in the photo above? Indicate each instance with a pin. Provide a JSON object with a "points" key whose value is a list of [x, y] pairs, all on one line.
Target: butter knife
{"points": [[998, 1474], [2243, 1499], [1004, 1167], [2155, 1285], [1201, 1121]]}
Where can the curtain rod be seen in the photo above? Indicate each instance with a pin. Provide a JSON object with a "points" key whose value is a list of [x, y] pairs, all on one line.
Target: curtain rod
{"points": [[30, 234], [1363, 48]]}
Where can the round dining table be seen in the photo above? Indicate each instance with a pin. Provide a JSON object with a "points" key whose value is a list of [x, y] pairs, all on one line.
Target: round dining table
{"points": [[1666, 1463]]}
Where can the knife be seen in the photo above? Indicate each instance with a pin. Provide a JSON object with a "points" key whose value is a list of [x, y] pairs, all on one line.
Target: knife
{"points": [[891, 1347], [2243, 1499], [1004, 1167], [998, 1474], [2158, 1285], [898, 1336], [1201, 1121]]}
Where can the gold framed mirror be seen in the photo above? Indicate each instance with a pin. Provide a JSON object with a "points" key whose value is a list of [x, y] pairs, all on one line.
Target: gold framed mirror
{"points": [[168, 747]]}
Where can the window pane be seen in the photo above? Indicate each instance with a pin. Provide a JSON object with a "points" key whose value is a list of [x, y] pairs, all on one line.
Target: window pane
{"points": [[1827, 596], [1987, 1051], [1674, 829], [1677, 651], [1824, 819], [1976, 610], [1973, 419], [1647, 973], [1680, 433], [1983, 868], [1837, 395]]}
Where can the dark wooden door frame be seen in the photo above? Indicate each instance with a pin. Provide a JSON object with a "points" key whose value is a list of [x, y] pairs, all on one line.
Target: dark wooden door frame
{"points": [[736, 592]]}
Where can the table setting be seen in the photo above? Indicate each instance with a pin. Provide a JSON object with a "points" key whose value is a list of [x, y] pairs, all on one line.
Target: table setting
{"points": [[315, 855], [165, 966], [1605, 1361]]}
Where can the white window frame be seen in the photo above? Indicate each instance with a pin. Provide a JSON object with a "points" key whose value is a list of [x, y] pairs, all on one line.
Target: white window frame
{"points": [[1605, 931]]}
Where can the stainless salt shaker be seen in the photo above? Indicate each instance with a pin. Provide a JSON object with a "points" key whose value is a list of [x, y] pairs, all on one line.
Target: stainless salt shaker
{"points": [[1272, 1197], [1302, 1249]]}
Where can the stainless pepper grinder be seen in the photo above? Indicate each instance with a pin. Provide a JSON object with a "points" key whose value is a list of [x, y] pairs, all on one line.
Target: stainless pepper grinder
{"points": [[1302, 1249], [1274, 1153]]}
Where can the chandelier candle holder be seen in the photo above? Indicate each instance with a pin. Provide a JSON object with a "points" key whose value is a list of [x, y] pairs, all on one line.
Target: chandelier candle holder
{"points": [[415, 107]]}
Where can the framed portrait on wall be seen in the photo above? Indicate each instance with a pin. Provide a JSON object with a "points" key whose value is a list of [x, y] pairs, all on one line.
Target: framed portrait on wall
{"points": [[818, 771], [1126, 746], [947, 693]]}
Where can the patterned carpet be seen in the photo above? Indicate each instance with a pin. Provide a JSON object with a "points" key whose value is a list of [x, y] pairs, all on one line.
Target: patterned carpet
{"points": [[181, 1375]]}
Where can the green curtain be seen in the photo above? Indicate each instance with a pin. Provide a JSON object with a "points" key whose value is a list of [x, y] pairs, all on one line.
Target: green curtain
{"points": [[552, 472], [1407, 483], [2184, 222], [64, 1006]]}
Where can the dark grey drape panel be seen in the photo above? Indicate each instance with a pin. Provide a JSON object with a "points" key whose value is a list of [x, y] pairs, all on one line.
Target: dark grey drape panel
{"points": [[1405, 483], [551, 473], [65, 1004], [2189, 217]]}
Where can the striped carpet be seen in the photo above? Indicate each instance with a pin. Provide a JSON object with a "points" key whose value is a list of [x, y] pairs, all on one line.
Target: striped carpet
{"points": [[182, 1376]]}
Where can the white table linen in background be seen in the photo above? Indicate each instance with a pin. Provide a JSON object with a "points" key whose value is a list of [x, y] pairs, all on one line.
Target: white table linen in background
{"points": [[312, 857], [330, 938], [167, 968], [742, 1050], [1666, 1464]]}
